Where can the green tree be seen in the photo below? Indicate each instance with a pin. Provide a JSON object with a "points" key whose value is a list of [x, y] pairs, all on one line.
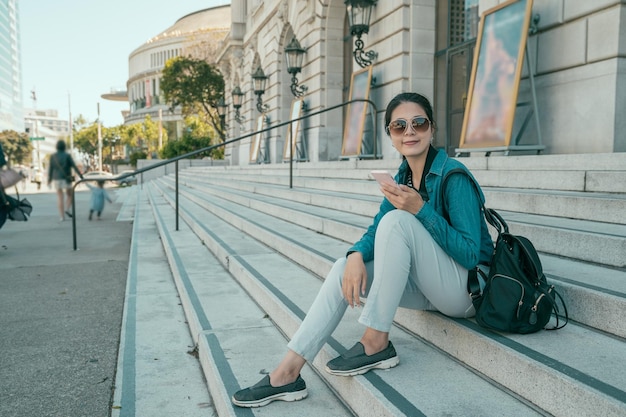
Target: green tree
{"points": [[111, 139], [17, 146], [134, 156], [197, 135], [79, 122], [196, 86], [143, 136], [86, 139]]}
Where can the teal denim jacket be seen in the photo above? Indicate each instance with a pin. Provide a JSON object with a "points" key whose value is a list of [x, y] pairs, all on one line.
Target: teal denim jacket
{"points": [[466, 238]]}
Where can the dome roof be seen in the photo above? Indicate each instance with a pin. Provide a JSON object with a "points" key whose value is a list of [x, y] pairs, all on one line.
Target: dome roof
{"points": [[207, 19]]}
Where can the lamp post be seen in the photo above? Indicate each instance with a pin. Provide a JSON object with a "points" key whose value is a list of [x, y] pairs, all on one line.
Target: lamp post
{"points": [[99, 141], [237, 99], [294, 54], [259, 80], [33, 96], [222, 108], [359, 15]]}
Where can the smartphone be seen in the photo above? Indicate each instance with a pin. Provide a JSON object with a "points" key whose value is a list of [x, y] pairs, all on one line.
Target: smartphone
{"points": [[383, 177]]}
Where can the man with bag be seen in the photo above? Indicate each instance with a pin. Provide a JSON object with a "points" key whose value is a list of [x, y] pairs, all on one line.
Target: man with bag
{"points": [[60, 175]]}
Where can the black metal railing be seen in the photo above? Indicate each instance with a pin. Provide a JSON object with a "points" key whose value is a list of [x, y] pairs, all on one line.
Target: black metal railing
{"points": [[175, 159]]}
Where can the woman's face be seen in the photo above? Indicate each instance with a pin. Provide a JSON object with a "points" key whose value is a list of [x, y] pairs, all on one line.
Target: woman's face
{"points": [[410, 130]]}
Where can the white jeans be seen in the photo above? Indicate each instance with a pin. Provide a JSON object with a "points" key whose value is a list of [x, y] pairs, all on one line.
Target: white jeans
{"points": [[410, 270]]}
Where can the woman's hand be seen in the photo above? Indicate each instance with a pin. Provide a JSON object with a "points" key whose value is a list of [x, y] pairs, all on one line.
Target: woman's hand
{"points": [[403, 197], [354, 279]]}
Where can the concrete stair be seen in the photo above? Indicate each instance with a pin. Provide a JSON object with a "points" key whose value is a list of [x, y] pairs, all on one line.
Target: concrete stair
{"points": [[250, 254]]}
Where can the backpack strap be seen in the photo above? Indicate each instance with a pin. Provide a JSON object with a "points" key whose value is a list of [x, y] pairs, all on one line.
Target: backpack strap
{"points": [[492, 217]]}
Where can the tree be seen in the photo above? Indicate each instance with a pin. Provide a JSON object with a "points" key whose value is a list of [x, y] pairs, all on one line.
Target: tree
{"points": [[196, 86], [86, 139], [111, 137], [79, 122], [17, 146], [143, 136], [197, 135], [136, 156]]}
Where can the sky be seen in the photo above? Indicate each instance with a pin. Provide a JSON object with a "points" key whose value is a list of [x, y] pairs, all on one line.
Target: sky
{"points": [[73, 51]]}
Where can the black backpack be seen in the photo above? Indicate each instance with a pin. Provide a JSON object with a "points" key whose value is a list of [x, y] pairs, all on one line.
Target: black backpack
{"points": [[517, 297]]}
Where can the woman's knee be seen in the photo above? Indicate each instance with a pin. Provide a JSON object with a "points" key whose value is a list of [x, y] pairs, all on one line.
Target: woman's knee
{"points": [[399, 220], [336, 272], [395, 216]]}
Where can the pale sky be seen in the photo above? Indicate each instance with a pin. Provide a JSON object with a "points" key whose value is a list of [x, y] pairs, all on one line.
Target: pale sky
{"points": [[80, 49]]}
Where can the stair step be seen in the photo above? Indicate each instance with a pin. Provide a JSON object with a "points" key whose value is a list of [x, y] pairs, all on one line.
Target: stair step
{"points": [[340, 230], [231, 332], [557, 203], [128, 196], [286, 290], [156, 375], [289, 240], [603, 243], [567, 204], [597, 242]]}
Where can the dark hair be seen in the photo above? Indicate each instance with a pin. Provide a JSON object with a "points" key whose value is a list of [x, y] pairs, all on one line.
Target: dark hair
{"points": [[61, 145], [409, 98]]}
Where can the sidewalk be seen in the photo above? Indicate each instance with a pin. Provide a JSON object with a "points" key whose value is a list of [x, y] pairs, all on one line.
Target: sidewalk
{"points": [[60, 309]]}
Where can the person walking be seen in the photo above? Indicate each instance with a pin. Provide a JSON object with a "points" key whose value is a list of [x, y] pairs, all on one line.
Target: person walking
{"points": [[422, 260], [60, 175], [98, 195]]}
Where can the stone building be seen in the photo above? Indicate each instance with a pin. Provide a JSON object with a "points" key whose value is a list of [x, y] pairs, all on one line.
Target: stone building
{"points": [[196, 34], [576, 55]]}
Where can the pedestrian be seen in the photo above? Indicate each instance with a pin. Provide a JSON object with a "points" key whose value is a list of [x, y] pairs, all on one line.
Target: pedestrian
{"points": [[422, 260], [98, 195], [4, 203], [60, 174]]}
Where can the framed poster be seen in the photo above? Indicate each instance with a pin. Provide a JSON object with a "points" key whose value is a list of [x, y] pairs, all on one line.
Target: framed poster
{"points": [[292, 129], [255, 144], [494, 84], [356, 112]]}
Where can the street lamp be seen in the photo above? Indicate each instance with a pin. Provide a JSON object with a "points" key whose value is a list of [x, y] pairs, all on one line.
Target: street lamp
{"points": [[237, 99], [359, 15], [222, 108], [259, 79], [294, 54]]}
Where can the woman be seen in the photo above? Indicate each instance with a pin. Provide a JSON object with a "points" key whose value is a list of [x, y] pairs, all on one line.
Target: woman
{"points": [[422, 261], [60, 172]]}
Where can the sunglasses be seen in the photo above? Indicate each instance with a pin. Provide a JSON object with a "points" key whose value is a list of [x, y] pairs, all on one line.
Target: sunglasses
{"points": [[400, 126]]}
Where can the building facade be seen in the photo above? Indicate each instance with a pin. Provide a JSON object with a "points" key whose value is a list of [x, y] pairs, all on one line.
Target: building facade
{"points": [[45, 126], [196, 35], [10, 68], [576, 56]]}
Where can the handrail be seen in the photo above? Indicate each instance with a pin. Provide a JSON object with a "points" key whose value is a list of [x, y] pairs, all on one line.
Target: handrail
{"points": [[210, 148]]}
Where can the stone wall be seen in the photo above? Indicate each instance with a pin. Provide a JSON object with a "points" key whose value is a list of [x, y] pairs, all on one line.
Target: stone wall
{"points": [[577, 56]]}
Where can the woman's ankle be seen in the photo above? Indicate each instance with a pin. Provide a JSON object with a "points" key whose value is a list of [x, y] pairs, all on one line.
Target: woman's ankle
{"points": [[288, 370], [374, 341], [279, 378]]}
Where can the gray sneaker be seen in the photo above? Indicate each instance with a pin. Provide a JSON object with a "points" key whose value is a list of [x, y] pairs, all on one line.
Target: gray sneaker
{"points": [[263, 393], [356, 362]]}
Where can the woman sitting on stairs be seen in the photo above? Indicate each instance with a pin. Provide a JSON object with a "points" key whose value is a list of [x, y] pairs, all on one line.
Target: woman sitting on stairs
{"points": [[422, 261]]}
